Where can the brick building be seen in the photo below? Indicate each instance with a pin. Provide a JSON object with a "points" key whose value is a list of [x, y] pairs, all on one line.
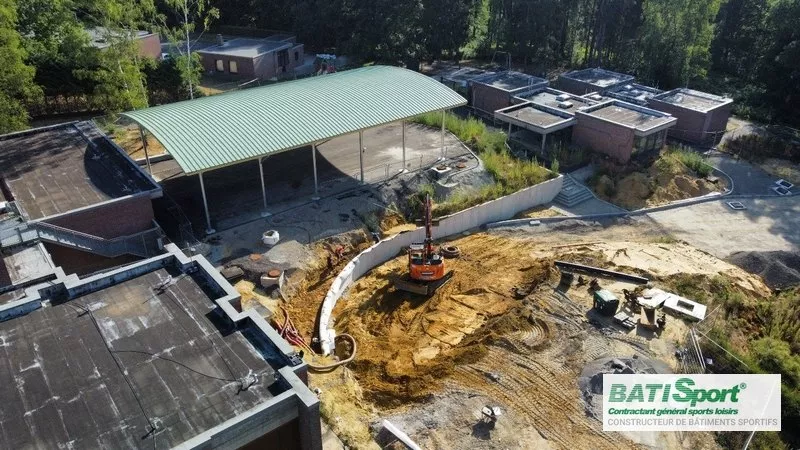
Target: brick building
{"points": [[620, 129], [272, 57], [494, 91], [581, 82], [702, 118]]}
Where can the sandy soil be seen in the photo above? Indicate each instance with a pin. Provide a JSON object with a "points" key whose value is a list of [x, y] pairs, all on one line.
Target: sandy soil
{"points": [[539, 212], [665, 181], [430, 364], [131, 141]]}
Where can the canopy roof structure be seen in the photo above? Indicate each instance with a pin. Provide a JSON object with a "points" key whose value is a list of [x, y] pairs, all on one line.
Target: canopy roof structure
{"points": [[226, 129]]}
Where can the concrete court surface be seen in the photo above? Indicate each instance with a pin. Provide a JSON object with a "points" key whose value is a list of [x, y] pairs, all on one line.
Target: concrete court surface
{"points": [[767, 224], [234, 192]]}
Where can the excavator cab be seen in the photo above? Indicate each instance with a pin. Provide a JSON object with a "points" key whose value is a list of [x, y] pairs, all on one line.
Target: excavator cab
{"points": [[426, 266]]}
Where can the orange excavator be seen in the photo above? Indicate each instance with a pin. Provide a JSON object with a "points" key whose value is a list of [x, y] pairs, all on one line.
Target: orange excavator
{"points": [[426, 267]]}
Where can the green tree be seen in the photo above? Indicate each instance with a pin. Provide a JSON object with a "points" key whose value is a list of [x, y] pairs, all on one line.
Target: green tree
{"points": [[57, 44], [780, 65], [186, 15], [676, 39], [738, 36], [16, 78]]}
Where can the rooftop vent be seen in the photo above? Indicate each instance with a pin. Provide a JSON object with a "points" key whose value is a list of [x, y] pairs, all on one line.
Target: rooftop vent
{"points": [[220, 40], [562, 97], [565, 105], [628, 87], [596, 97]]}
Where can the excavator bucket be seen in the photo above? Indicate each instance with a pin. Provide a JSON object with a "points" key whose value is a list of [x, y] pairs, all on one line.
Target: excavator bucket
{"points": [[426, 288]]}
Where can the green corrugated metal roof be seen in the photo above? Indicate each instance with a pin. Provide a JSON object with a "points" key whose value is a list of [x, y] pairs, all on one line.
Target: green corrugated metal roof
{"points": [[224, 129]]}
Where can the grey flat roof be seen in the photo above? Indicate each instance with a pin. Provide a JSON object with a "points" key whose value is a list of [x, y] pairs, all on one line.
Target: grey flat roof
{"points": [[26, 263], [634, 93], [462, 75], [632, 116], [509, 80], [64, 368], [534, 117], [246, 47], [548, 96], [54, 170], [691, 99], [601, 78]]}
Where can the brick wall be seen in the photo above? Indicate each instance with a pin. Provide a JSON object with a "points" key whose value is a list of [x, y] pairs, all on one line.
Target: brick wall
{"points": [[691, 124], [574, 86], [119, 218], [603, 137], [150, 46], [718, 121], [489, 99], [245, 66]]}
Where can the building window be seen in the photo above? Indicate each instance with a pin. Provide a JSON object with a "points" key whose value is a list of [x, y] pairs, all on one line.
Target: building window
{"points": [[220, 65], [283, 58], [233, 67], [297, 56]]}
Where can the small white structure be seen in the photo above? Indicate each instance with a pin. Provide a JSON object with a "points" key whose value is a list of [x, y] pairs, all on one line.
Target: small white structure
{"points": [[270, 237], [684, 307]]}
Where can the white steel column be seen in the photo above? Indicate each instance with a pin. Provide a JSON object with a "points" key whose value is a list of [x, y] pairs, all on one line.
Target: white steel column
{"points": [[314, 162], [144, 145], [444, 116], [404, 147], [361, 154], [264, 213], [209, 229]]}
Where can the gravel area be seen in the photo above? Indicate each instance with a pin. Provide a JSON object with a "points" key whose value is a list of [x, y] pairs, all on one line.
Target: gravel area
{"points": [[778, 269]]}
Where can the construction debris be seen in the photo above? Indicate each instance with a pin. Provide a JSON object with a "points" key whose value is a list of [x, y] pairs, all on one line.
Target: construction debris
{"points": [[596, 271]]}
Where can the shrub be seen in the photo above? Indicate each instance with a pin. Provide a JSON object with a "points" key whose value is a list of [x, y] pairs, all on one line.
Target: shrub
{"points": [[554, 165], [692, 160], [510, 174]]}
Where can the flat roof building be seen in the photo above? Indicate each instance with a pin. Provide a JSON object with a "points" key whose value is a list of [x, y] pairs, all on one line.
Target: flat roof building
{"points": [[72, 188], [580, 82], [155, 354], [459, 79], [494, 91], [553, 98], [637, 94], [537, 118], [273, 57], [621, 129], [149, 44], [702, 118]]}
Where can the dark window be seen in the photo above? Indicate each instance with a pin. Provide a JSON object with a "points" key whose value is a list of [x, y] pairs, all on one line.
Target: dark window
{"points": [[297, 56], [283, 58]]}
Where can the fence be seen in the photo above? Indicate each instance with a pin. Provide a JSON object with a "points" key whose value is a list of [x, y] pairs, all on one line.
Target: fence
{"points": [[386, 249]]}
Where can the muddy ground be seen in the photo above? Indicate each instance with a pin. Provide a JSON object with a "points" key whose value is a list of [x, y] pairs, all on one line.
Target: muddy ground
{"points": [[499, 334]]}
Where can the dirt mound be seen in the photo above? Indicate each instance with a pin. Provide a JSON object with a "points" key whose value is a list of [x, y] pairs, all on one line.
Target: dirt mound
{"points": [[409, 344], [666, 180], [778, 269]]}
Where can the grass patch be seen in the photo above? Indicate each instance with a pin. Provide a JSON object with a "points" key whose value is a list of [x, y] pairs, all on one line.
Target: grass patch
{"points": [[754, 147], [510, 174], [693, 160]]}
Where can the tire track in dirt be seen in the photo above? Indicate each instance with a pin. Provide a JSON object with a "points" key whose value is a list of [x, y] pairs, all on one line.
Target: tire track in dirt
{"points": [[535, 388]]}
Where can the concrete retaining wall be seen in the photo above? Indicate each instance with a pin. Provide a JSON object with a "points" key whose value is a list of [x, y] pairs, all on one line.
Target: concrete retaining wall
{"points": [[492, 211]]}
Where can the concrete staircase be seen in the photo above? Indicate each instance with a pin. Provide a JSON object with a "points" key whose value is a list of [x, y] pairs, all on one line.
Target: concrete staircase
{"points": [[572, 193], [144, 244]]}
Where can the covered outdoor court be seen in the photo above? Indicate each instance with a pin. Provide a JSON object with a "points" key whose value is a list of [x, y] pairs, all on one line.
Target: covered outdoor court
{"points": [[222, 138]]}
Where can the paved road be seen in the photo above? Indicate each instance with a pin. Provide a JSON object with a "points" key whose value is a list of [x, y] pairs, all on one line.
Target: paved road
{"points": [[767, 224], [747, 178]]}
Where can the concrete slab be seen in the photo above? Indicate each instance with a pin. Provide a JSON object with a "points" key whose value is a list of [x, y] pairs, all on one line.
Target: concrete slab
{"points": [[767, 224]]}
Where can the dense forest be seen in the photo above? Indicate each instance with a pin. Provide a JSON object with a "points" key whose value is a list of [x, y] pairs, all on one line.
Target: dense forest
{"points": [[749, 49]]}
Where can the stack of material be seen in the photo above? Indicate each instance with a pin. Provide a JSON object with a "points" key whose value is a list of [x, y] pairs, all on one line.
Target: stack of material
{"points": [[778, 269]]}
